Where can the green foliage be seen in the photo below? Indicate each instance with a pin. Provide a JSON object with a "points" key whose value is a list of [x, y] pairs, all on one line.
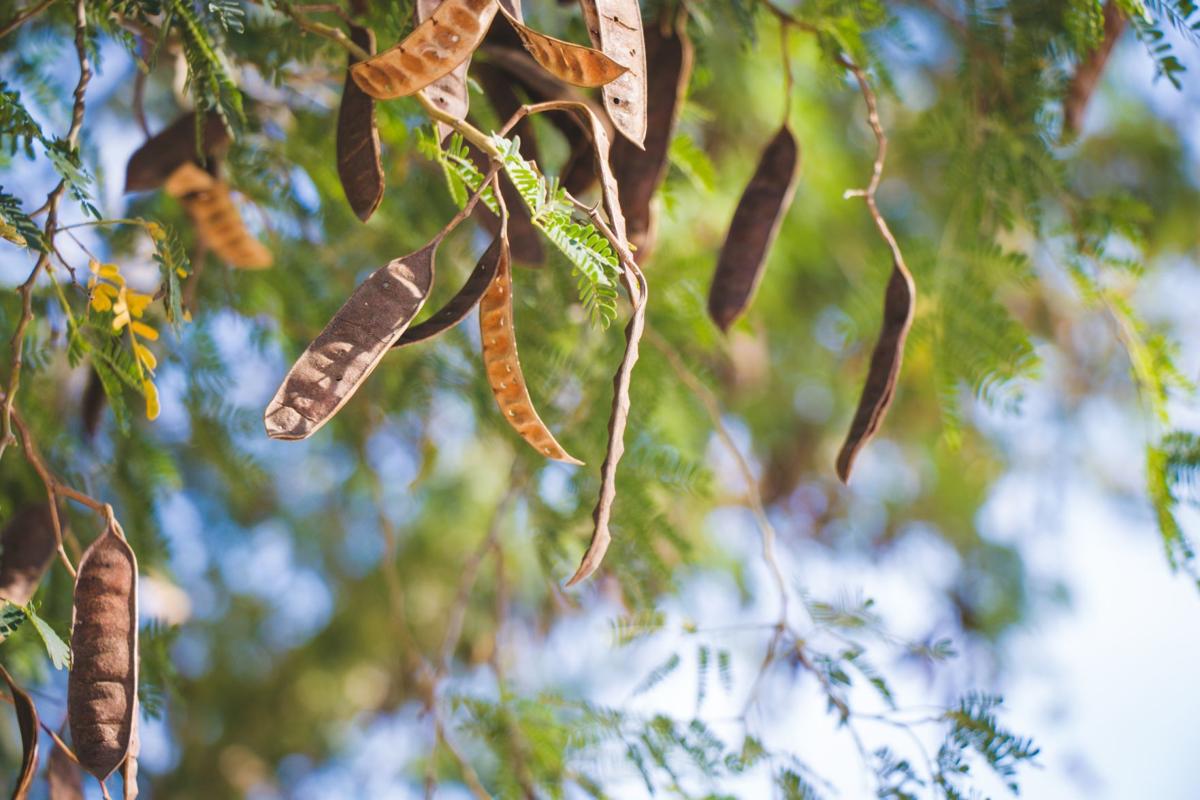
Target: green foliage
{"points": [[974, 728], [56, 648]]}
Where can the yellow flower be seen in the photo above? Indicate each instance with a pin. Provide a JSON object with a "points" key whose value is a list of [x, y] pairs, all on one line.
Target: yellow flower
{"points": [[151, 393], [110, 272], [145, 356], [137, 302], [145, 331]]}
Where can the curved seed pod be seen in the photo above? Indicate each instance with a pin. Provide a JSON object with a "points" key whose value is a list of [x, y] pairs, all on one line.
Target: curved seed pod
{"points": [[899, 303], [461, 304], [504, 368], [449, 92], [755, 223], [64, 777], [573, 63], [27, 721], [102, 686], [27, 547], [615, 26], [155, 160], [359, 164], [438, 45], [218, 222], [639, 173]]}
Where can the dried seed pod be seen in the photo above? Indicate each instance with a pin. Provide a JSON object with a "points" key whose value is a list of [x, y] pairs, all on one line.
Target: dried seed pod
{"points": [[27, 547], [91, 409], [639, 173], [27, 721], [504, 367], [573, 63], [155, 160], [467, 297], [359, 164], [449, 93], [438, 45], [64, 777], [898, 305], [218, 222], [102, 686], [756, 222], [615, 26]]}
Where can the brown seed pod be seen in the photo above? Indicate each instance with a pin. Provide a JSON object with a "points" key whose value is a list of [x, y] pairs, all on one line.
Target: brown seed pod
{"points": [[155, 160], [755, 224], [218, 222], [359, 164], [27, 547], [461, 304], [899, 303], [102, 686], [573, 63], [63, 775], [615, 26], [92, 405], [503, 366], [438, 45], [639, 173], [449, 93], [27, 721]]}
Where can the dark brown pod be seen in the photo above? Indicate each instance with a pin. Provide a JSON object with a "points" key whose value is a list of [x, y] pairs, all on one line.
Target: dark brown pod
{"points": [[92, 405], [27, 721], [456, 310], [102, 686], [639, 172], [898, 305], [358, 149], [154, 161], [27, 547], [64, 777], [755, 224]]}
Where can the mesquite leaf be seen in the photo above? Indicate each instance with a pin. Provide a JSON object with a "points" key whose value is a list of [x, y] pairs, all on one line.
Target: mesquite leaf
{"points": [[218, 222], [155, 160], [358, 149], [438, 45], [615, 26], [27, 721], [27, 547], [467, 297], [573, 63], [102, 686], [755, 224], [898, 305]]}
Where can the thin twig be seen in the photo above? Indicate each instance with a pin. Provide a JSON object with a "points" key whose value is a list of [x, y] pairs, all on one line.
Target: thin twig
{"points": [[24, 16]]}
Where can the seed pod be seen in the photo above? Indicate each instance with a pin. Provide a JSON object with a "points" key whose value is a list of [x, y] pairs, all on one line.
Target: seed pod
{"points": [[358, 149], [449, 93], [63, 775], [615, 26], [461, 304], [27, 721], [102, 686], [573, 63], [27, 547], [753, 229], [92, 404], [155, 160], [504, 367], [639, 173], [438, 45], [218, 222], [899, 303]]}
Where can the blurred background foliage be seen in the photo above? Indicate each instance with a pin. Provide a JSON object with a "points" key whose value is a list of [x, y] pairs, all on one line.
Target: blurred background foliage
{"points": [[299, 595]]}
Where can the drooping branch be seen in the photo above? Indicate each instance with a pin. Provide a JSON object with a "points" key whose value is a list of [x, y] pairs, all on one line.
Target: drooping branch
{"points": [[1087, 75]]}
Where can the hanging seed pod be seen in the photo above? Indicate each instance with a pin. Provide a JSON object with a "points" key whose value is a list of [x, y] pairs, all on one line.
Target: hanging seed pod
{"points": [[639, 172], [753, 229], [573, 63], [615, 26], [155, 160], [27, 721], [27, 547], [438, 45], [91, 407], [64, 777], [359, 153], [461, 304], [448, 93], [218, 222], [504, 367], [898, 305], [102, 686]]}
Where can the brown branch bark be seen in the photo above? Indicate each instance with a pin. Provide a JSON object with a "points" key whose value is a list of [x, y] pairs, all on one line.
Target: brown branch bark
{"points": [[1087, 75]]}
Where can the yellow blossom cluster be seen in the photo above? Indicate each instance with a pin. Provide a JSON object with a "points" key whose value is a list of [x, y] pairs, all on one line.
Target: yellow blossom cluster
{"points": [[109, 293]]}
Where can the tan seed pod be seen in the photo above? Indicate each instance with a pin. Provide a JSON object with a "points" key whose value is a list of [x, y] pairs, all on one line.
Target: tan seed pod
{"points": [[359, 153], [756, 221], [898, 305], [27, 547], [102, 686], [573, 63], [27, 721], [63, 775], [217, 220], [639, 172], [438, 45], [504, 367], [155, 160], [615, 26], [449, 92], [461, 304]]}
